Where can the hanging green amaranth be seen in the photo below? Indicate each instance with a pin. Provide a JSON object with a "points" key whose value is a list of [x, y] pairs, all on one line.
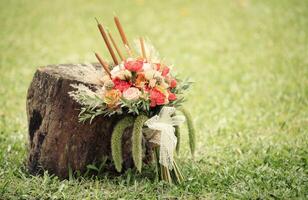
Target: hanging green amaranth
{"points": [[137, 141], [191, 130], [177, 134], [116, 141]]}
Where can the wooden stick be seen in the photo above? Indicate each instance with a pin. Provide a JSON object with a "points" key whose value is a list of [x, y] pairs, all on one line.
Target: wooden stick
{"points": [[142, 48], [178, 172], [104, 35], [104, 64], [122, 34], [116, 46]]}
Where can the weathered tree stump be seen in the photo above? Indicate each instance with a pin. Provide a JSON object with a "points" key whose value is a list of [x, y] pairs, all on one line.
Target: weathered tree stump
{"points": [[57, 140]]}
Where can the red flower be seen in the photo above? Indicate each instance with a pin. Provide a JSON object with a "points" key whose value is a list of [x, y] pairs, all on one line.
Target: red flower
{"points": [[120, 84], [133, 65], [157, 97], [173, 83], [171, 96], [165, 71]]}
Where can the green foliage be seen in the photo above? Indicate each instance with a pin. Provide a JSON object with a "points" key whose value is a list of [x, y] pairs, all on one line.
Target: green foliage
{"points": [[135, 106], [179, 90], [116, 140], [97, 167], [137, 140], [91, 103], [191, 130], [88, 114], [178, 136]]}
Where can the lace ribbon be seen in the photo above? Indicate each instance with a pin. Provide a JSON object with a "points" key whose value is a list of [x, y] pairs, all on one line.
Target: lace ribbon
{"points": [[163, 127]]}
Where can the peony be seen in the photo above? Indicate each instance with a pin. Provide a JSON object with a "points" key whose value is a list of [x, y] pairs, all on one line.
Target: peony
{"points": [[121, 85], [134, 65], [131, 93], [157, 97]]}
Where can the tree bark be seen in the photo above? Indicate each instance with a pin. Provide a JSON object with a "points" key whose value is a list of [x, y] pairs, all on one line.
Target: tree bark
{"points": [[57, 140]]}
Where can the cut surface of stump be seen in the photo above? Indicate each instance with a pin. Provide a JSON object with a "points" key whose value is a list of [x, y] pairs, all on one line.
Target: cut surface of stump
{"points": [[58, 141]]}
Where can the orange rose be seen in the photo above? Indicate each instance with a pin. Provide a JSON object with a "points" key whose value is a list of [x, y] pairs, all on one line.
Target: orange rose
{"points": [[112, 97], [140, 80]]}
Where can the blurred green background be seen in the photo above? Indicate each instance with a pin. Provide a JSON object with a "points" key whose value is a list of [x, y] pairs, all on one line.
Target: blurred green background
{"points": [[249, 61]]}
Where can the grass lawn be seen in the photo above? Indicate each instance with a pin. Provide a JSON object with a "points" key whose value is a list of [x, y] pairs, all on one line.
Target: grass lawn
{"points": [[249, 61]]}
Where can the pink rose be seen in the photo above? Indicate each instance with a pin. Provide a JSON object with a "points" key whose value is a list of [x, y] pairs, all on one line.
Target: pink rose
{"points": [[131, 93], [133, 65]]}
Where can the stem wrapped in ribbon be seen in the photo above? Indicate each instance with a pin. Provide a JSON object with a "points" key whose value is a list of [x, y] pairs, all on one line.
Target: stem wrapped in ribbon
{"points": [[163, 125]]}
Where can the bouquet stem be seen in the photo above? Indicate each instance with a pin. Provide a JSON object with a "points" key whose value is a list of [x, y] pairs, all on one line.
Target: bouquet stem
{"points": [[173, 175]]}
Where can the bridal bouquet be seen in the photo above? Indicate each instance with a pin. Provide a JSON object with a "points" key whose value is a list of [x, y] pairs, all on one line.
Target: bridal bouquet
{"points": [[142, 88]]}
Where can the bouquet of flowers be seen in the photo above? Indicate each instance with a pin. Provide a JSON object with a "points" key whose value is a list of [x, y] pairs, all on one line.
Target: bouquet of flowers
{"points": [[142, 88]]}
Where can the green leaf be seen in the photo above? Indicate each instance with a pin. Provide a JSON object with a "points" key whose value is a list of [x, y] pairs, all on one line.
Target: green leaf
{"points": [[93, 167]]}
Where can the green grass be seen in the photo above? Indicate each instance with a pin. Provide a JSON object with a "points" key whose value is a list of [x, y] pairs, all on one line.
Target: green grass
{"points": [[249, 60]]}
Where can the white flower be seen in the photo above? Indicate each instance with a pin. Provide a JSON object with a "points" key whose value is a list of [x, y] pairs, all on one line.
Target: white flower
{"points": [[127, 74], [116, 70], [147, 66], [131, 93], [151, 74], [152, 83], [120, 72], [124, 74]]}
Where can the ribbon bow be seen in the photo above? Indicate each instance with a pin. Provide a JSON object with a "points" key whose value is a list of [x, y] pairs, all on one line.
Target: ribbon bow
{"points": [[163, 124]]}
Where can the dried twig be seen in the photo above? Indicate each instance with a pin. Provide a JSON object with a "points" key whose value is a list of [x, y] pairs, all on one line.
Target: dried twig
{"points": [[104, 64], [104, 35]]}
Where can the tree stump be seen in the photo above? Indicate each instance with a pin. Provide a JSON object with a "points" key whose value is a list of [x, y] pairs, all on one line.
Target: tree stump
{"points": [[58, 142]]}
